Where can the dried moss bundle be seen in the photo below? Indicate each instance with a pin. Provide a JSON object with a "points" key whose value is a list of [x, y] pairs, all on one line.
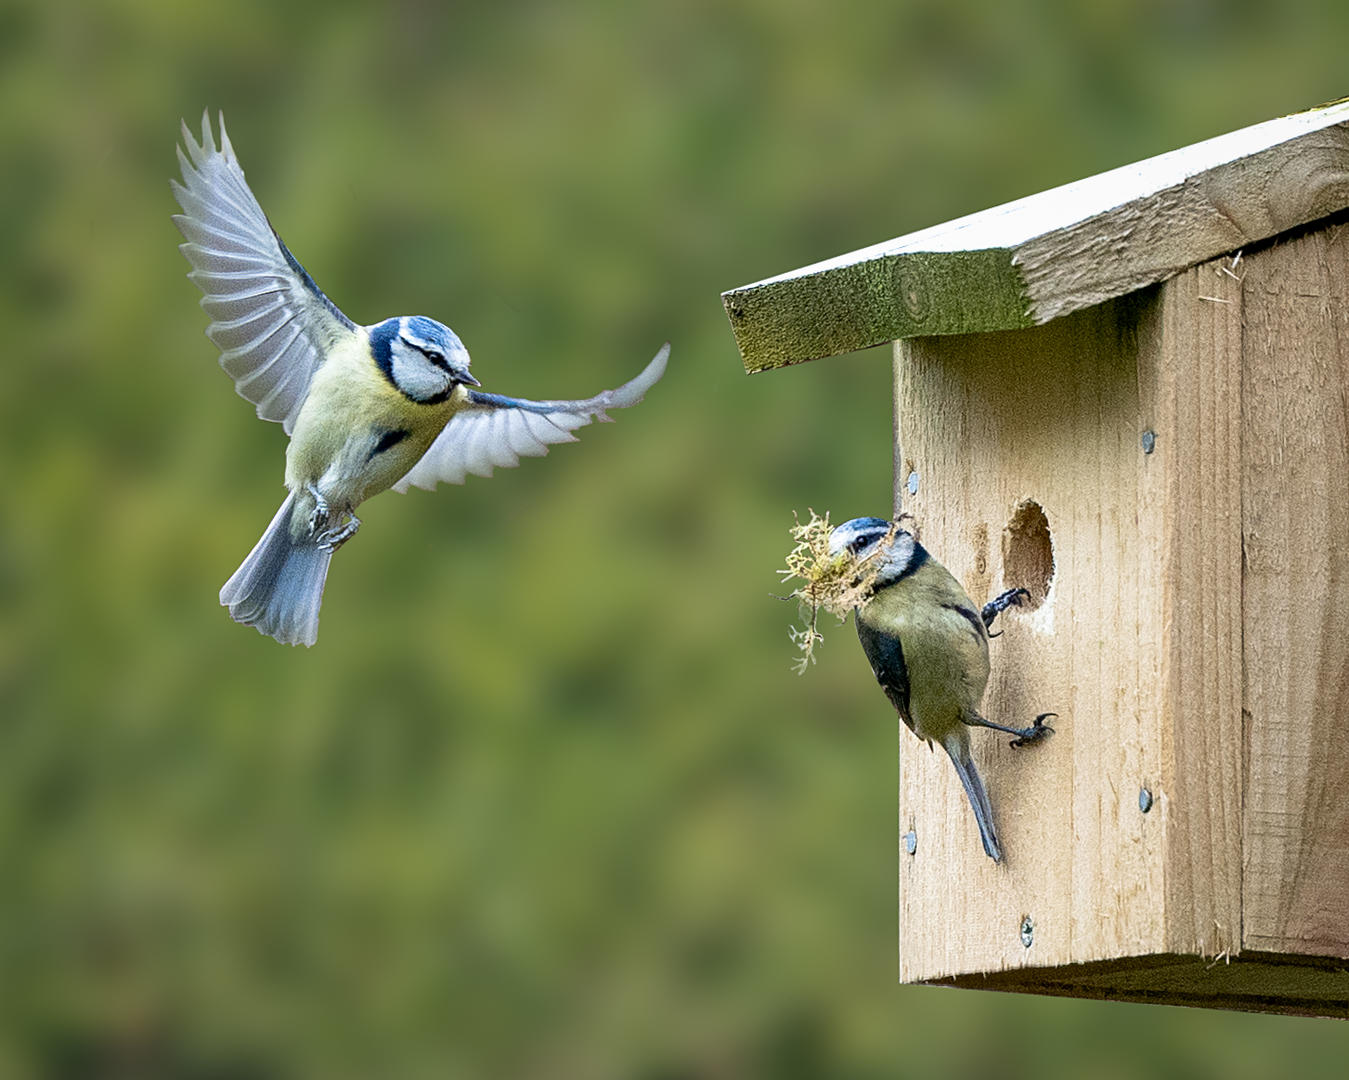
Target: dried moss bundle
{"points": [[834, 583]]}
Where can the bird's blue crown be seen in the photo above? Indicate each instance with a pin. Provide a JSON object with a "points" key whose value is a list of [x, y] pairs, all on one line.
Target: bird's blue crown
{"points": [[858, 532]]}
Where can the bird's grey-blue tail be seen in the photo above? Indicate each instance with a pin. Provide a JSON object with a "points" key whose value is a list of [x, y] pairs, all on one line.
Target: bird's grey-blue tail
{"points": [[279, 587], [959, 750]]}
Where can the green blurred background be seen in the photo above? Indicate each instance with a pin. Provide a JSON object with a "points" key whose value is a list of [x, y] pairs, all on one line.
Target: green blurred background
{"points": [[545, 800]]}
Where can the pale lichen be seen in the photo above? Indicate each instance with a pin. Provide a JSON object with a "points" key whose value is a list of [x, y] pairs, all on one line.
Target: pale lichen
{"points": [[836, 583]]}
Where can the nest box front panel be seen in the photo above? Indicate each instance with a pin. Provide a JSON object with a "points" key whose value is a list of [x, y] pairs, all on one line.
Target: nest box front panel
{"points": [[1062, 458]]}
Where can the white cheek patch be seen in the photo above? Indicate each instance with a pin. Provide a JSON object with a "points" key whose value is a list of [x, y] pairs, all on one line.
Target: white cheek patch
{"points": [[416, 376]]}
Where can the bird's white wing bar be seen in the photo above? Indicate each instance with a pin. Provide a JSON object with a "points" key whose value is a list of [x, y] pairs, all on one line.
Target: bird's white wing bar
{"points": [[272, 324], [495, 431]]}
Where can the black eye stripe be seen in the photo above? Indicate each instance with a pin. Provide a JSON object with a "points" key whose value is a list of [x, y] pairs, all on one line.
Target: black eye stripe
{"points": [[434, 355]]}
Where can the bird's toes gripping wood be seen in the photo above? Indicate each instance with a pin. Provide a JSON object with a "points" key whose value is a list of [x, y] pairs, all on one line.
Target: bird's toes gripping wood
{"points": [[1035, 732], [1001, 602]]}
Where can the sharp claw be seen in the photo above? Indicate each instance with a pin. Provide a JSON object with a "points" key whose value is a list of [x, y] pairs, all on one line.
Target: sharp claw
{"points": [[332, 539], [1001, 602], [320, 518], [1035, 732]]}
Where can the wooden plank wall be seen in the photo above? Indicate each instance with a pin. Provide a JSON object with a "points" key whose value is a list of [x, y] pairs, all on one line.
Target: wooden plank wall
{"points": [[1295, 521], [1189, 364], [1049, 414]]}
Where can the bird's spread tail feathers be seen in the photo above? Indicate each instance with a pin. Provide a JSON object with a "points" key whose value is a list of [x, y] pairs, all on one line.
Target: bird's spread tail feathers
{"points": [[959, 750], [279, 587]]}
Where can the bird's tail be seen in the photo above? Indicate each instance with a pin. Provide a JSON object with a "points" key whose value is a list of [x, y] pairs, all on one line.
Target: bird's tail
{"points": [[279, 587], [959, 750]]}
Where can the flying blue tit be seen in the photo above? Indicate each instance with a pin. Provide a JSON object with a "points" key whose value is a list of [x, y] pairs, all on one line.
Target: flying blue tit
{"points": [[392, 404], [928, 647]]}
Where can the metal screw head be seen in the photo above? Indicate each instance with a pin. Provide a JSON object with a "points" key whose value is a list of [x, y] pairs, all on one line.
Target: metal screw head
{"points": [[913, 483], [1149, 441], [1027, 931], [1144, 800], [910, 841]]}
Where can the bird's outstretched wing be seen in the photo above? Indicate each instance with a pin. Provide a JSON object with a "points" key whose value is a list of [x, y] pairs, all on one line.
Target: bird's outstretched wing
{"points": [[272, 324], [497, 431]]}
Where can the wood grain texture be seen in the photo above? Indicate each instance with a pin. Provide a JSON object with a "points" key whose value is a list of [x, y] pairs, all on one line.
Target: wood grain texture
{"points": [[1195, 639], [1137, 645], [1050, 414], [1253, 982], [1189, 359], [1296, 531], [1055, 252]]}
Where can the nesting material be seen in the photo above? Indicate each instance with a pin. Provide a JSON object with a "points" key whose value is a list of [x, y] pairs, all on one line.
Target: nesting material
{"points": [[833, 583]]}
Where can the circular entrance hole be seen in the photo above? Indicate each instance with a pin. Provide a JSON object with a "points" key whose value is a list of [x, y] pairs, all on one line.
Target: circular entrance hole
{"points": [[1028, 554]]}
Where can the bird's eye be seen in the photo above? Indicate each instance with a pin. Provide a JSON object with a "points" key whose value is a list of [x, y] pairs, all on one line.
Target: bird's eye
{"points": [[428, 351], [855, 546]]}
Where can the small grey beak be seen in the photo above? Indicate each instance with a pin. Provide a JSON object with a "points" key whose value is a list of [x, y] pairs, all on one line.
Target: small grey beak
{"points": [[464, 376]]}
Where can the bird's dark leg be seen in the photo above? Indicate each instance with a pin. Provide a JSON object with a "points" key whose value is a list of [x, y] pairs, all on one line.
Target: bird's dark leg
{"points": [[1001, 602], [1034, 733]]}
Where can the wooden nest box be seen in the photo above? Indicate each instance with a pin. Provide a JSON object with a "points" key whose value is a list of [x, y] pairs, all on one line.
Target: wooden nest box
{"points": [[1129, 395]]}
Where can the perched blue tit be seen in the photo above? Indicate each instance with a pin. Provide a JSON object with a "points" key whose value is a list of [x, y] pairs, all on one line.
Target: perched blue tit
{"points": [[367, 407], [928, 646]]}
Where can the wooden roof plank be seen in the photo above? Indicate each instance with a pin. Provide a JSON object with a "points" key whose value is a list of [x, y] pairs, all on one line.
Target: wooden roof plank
{"points": [[1057, 251]]}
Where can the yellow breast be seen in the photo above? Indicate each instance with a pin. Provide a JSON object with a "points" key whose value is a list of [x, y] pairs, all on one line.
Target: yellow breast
{"points": [[945, 654], [349, 398]]}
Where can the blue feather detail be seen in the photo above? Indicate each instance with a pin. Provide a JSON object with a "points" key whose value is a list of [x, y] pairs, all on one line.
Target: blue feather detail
{"points": [[381, 347], [501, 401], [309, 284], [427, 329]]}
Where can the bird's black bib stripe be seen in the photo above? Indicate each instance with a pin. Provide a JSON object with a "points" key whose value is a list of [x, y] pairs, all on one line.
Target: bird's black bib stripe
{"points": [[387, 441]]}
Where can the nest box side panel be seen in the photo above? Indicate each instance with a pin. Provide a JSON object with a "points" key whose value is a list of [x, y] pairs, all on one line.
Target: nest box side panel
{"points": [[988, 424], [1191, 383], [1295, 298]]}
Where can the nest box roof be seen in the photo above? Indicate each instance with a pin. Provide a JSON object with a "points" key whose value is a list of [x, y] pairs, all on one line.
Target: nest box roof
{"points": [[1027, 261]]}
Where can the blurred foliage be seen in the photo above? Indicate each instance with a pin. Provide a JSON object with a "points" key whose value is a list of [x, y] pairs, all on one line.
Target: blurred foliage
{"points": [[545, 800]]}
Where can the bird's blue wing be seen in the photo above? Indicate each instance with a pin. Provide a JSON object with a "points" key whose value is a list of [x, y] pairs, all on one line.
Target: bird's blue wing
{"points": [[495, 431], [885, 653], [272, 324]]}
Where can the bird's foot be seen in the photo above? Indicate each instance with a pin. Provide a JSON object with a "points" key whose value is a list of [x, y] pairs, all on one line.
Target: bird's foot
{"points": [[1035, 732], [332, 539], [1001, 602], [321, 515]]}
